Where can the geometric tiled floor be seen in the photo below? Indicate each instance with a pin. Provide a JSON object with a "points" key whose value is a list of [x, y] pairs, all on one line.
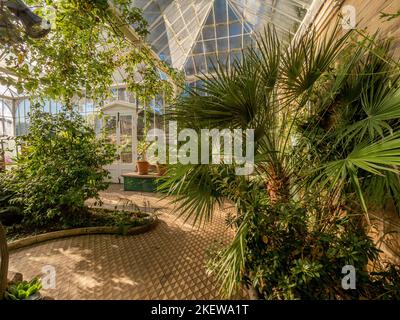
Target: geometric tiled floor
{"points": [[164, 263]]}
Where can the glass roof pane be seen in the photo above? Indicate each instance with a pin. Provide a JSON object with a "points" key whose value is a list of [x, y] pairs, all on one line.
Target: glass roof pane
{"points": [[208, 32], [235, 29], [198, 48], [232, 15], [223, 45], [210, 46], [222, 31], [188, 33], [220, 11], [210, 19], [217, 39], [190, 66], [235, 42]]}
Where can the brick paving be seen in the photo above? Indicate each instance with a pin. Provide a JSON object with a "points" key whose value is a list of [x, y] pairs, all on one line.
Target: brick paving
{"points": [[167, 262]]}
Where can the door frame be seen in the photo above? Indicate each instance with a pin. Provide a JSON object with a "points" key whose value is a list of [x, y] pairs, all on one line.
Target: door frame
{"points": [[122, 108]]}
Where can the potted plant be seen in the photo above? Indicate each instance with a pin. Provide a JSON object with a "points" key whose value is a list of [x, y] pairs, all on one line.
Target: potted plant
{"points": [[24, 290], [142, 163], [161, 169]]}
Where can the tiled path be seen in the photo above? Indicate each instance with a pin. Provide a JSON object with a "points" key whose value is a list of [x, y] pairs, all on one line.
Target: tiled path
{"points": [[165, 263]]}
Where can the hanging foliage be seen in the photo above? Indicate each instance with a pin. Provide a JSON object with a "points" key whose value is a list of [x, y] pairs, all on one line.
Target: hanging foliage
{"points": [[82, 51]]}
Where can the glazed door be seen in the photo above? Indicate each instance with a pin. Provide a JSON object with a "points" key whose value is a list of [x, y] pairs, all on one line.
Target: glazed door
{"points": [[120, 129], [126, 144]]}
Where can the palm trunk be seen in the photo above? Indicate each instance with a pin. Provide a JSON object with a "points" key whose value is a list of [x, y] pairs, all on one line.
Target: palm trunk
{"points": [[277, 186], [3, 262]]}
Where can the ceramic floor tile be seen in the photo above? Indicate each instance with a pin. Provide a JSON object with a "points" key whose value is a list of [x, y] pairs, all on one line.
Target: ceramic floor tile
{"points": [[164, 263]]}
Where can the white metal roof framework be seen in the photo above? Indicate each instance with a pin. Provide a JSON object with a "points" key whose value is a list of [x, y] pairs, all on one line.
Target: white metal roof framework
{"points": [[191, 35]]}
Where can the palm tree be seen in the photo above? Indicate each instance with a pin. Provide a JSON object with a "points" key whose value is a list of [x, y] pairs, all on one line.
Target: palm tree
{"points": [[325, 114]]}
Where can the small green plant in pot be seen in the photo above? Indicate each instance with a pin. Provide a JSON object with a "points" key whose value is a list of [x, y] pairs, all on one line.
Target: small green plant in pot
{"points": [[24, 290]]}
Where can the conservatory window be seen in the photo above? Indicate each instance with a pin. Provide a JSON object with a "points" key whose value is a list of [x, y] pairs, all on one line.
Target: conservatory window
{"points": [[6, 120]]}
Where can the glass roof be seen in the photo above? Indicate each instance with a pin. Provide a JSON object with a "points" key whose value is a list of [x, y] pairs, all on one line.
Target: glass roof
{"points": [[192, 35], [9, 92]]}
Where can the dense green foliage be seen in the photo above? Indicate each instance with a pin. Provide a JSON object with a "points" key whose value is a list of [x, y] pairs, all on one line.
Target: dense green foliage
{"points": [[123, 219], [327, 151], [9, 213], [82, 51], [59, 167], [289, 255], [296, 250], [352, 134], [23, 290], [61, 164]]}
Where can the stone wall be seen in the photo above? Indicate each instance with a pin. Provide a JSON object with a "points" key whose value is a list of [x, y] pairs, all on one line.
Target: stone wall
{"points": [[367, 16]]}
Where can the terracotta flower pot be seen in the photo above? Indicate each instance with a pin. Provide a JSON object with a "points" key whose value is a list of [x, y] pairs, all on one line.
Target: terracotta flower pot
{"points": [[143, 167], [161, 169]]}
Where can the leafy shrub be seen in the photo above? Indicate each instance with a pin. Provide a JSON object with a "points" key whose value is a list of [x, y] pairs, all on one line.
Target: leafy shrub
{"points": [[296, 250], [60, 166], [291, 255], [125, 220], [326, 131], [23, 290], [9, 214], [122, 219]]}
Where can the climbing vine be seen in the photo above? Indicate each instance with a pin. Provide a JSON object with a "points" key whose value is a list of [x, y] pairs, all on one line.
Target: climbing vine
{"points": [[82, 51]]}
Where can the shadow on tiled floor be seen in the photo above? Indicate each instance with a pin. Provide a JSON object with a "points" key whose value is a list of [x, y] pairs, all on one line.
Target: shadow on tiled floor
{"points": [[165, 263]]}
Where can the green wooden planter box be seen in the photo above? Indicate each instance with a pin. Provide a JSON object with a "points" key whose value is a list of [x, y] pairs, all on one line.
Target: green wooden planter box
{"points": [[143, 183]]}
